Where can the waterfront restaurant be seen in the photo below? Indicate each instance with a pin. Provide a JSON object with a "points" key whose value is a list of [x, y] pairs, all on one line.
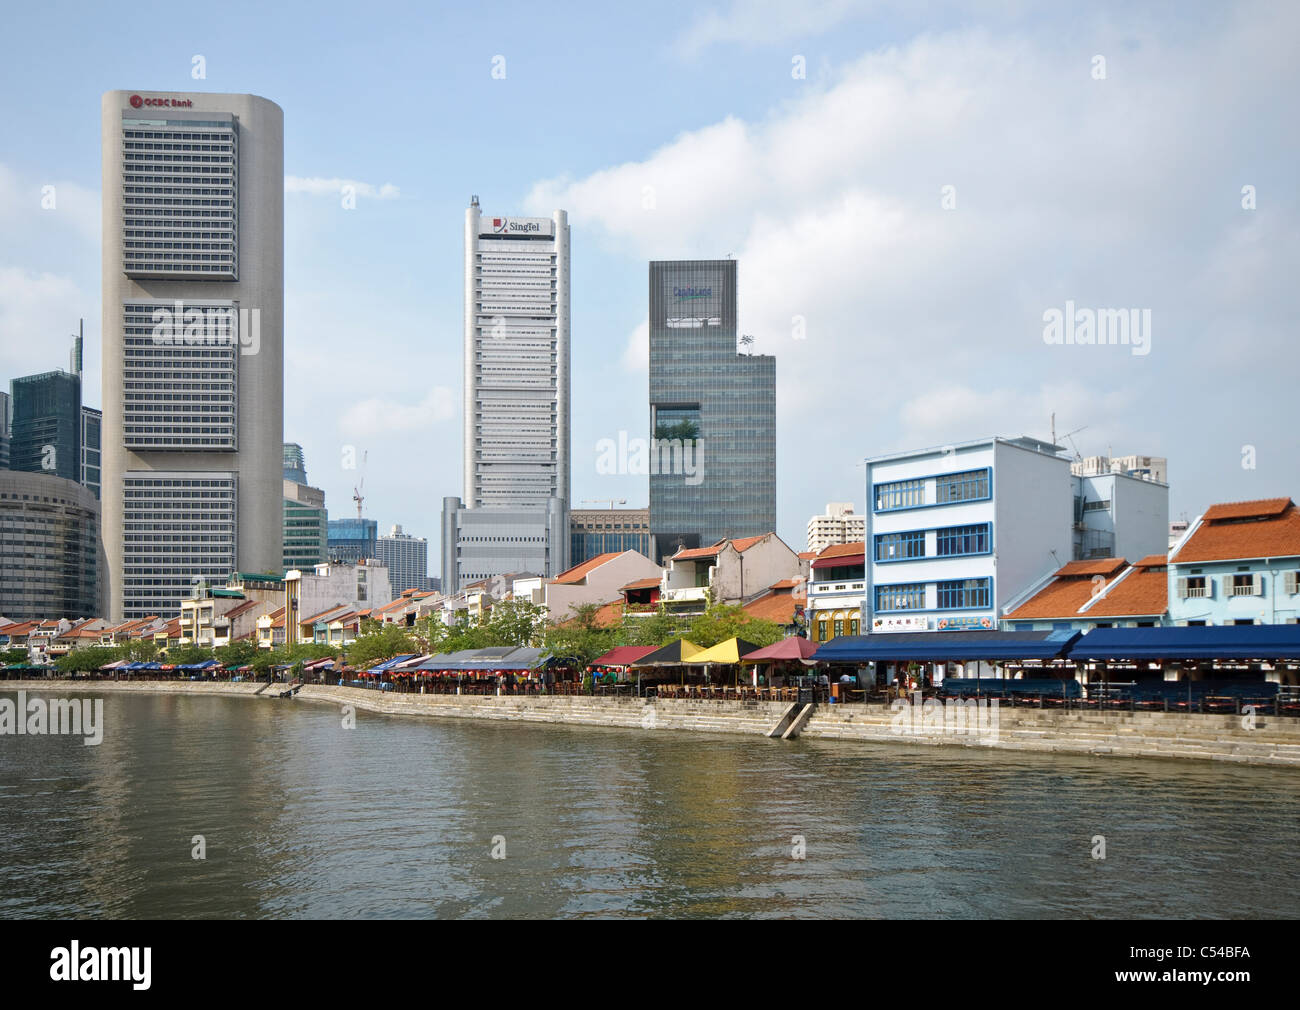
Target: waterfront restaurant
{"points": [[1205, 667], [934, 658]]}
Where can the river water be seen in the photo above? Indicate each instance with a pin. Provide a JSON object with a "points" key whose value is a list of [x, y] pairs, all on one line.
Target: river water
{"points": [[402, 817]]}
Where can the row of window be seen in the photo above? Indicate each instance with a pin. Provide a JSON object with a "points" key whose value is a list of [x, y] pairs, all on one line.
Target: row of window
{"points": [[949, 488], [950, 542], [952, 594]]}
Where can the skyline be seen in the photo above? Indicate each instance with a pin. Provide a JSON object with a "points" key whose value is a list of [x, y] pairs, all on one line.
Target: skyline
{"points": [[1111, 193]]}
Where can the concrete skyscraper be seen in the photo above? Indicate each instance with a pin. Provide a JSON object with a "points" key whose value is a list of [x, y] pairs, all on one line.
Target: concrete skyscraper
{"points": [[193, 368], [712, 412], [514, 513]]}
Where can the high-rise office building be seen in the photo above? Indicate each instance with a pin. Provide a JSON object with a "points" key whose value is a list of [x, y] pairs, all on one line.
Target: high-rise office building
{"points": [[92, 424], [50, 546], [712, 412], [607, 531], [351, 540], [516, 359], [306, 521], [516, 399], [4, 430], [46, 432], [295, 463], [407, 559], [193, 370]]}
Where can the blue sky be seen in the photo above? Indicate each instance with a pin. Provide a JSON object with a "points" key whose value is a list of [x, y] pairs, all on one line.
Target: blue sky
{"points": [[923, 325]]}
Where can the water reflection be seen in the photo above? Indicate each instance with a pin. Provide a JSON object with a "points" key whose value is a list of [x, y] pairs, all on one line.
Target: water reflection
{"points": [[398, 818]]}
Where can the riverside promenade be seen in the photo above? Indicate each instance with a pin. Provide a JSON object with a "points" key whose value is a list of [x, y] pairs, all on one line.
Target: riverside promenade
{"points": [[1265, 740]]}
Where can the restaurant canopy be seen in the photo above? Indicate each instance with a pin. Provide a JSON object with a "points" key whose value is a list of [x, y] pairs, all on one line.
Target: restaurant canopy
{"points": [[729, 651], [949, 646], [673, 654], [514, 658], [207, 664], [623, 655], [390, 664], [793, 649], [1234, 641]]}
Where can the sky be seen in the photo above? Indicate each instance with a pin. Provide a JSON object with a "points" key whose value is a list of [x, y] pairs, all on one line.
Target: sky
{"points": [[913, 192]]}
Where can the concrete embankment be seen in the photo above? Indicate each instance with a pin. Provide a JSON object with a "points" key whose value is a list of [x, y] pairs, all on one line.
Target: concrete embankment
{"points": [[1271, 741]]}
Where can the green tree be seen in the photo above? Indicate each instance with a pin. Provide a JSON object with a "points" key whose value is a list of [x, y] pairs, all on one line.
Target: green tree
{"points": [[515, 622], [140, 650], [581, 636], [10, 656], [380, 642], [658, 629], [236, 654], [86, 660], [722, 622], [466, 633]]}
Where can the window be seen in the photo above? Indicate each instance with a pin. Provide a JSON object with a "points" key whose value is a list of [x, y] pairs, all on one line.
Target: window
{"points": [[1097, 506], [1193, 586], [901, 597], [821, 629], [900, 546], [900, 494], [970, 485], [963, 594], [957, 540], [1243, 585]]}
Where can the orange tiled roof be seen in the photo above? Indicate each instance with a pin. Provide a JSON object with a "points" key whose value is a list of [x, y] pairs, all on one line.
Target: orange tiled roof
{"points": [[741, 544], [843, 550], [773, 606], [649, 583], [609, 615], [579, 572], [787, 583], [1152, 561], [1232, 531], [1260, 508], [1062, 597], [1144, 592], [1099, 566], [242, 608], [807, 555]]}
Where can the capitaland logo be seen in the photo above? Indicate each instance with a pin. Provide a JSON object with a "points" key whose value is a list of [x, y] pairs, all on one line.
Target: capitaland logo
{"points": [[161, 103], [692, 292]]}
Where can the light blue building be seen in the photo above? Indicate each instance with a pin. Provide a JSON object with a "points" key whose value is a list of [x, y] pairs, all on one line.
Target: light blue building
{"points": [[1238, 564]]}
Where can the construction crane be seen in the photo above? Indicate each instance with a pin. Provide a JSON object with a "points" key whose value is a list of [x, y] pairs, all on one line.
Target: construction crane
{"points": [[601, 501], [357, 496]]}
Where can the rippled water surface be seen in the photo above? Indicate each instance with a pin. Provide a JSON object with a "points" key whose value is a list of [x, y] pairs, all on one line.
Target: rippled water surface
{"points": [[397, 817]]}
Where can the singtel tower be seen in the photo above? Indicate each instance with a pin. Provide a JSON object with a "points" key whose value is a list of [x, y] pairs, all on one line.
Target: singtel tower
{"points": [[514, 517], [193, 368]]}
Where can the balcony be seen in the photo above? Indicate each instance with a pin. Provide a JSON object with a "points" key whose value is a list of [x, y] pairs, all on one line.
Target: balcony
{"points": [[688, 594], [838, 587]]}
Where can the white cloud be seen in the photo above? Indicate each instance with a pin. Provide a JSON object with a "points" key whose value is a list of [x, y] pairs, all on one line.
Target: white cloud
{"points": [[376, 417], [315, 186], [38, 313], [636, 356], [1106, 193]]}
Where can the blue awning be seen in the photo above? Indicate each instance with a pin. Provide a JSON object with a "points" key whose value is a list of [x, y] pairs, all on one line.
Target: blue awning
{"points": [[950, 646], [1234, 641], [388, 664]]}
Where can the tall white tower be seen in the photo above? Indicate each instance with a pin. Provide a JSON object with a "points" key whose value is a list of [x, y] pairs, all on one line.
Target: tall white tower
{"points": [[516, 359], [193, 366]]}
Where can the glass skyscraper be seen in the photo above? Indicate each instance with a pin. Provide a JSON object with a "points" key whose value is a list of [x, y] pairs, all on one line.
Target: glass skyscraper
{"points": [[712, 412], [46, 434]]}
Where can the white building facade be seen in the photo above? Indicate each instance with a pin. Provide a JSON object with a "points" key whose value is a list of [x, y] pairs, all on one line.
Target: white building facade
{"points": [[516, 409], [193, 371], [954, 532], [838, 525]]}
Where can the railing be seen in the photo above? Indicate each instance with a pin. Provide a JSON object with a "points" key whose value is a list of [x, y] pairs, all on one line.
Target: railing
{"points": [[687, 593]]}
